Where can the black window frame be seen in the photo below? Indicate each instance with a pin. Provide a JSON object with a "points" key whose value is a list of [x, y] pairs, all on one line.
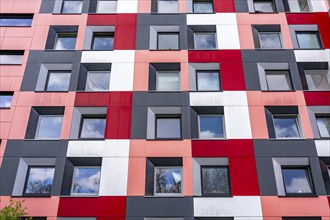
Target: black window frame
{"points": [[167, 116], [17, 16], [209, 71], [308, 32], [7, 94], [298, 123], [97, 116], [168, 33], [62, 7], [56, 72], [65, 35], [261, 12], [279, 70], [103, 34], [214, 33], [318, 129], [202, 2]]}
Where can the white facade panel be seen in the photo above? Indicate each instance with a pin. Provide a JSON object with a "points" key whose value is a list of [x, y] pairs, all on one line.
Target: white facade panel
{"points": [[212, 19], [318, 6], [122, 77], [237, 122], [234, 98], [323, 148], [127, 6], [312, 55], [227, 37], [115, 56]]}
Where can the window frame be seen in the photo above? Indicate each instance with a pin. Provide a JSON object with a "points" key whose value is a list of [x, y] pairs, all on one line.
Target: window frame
{"points": [[62, 7], [164, 72], [96, 116], [17, 17], [178, 7], [212, 115], [270, 32], [313, 72], [228, 181], [97, 7], [103, 34], [321, 47], [288, 73], [7, 94], [56, 72], [167, 116], [168, 194], [206, 33], [318, 129], [208, 71], [65, 35], [168, 33], [73, 180], [97, 71], [261, 12], [310, 7], [309, 179], [296, 116], [38, 127], [202, 2]]}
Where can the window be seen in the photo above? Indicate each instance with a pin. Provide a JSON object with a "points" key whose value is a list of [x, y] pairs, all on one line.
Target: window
{"points": [[168, 6], [11, 57], [205, 41], [323, 124], [65, 41], [211, 126], [49, 127], [168, 81], [270, 40], [86, 181], [92, 128], [72, 6], [168, 180], [215, 181], [264, 6], [299, 5], [167, 41], [308, 40], [208, 80], [329, 171], [39, 181], [286, 126], [297, 181], [5, 99], [103, 41], [168, 127], [317, 80], [200, 6], [98, 81], [278, 80], [106, 6], [15, 20], [58, 81]]}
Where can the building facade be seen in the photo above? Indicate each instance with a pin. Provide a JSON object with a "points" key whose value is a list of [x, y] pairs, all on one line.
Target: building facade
{"points": [[165, 109]]}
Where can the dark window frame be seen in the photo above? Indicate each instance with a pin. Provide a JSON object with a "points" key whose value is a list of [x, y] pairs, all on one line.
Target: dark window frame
{"points": [[214, 33], [261, 12], [296, 117], [56, 72], [7, 94], [279, 70], [73, 194], [62, 7], [87, 116], [202, 2], [65, 35], [17, 16], [209, 71], [271, 32], [168, 116], [167, 194], [309, 32], [168, 33], [103, 35], [325, 115]]}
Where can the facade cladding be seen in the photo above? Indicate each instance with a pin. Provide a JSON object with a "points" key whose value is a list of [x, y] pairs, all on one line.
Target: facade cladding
{"points": [[166, 109]]}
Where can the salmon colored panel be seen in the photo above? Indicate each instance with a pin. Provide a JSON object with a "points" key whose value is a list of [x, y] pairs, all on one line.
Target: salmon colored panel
{"points": [[258, 122], [36, 206], [26, 6], [20, 32], [49, 19], [3, 144], [143, 148], [6, 6], [183, 6], [19, 123], [80, 38], [66, 124], [184, 75], [141, 76], [327, 6], [10, 83], [286, 37], [12, 70], [144, 6], [245, 36], [136, 176], [305, 122], [11, 43], [2, 32], [275, 98], [161, 56], [40, 38], [247, 18], [6, 115], [187, 177], [279, 206], [46, 99], [4, 130]]}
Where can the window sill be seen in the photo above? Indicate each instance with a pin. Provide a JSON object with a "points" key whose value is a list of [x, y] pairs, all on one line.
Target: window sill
{"points": [[254, 12], [44, 139], [40, 91], [218, 196], [96, 13], [54, 50], [59, 13], [209, 139], [10, 64], [316, 90], [278, 90], [271, 49], [165, 13], [166, 139], [97, 50], [287, 139], [309, 48], [170, 91], [216, 49], [204, 91], [165, 196], [4, 108], [33, 196], [81, 91], [79, 196], [15, 26], [162, 50], [299, 196]]}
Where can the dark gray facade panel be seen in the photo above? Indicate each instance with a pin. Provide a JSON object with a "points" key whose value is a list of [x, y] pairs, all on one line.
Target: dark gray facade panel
{"points": [[160, 99], [161, 19], [139, 122], [252, 56], [55, 6], [317, 177], [54, 56], [241, 6], [8, 171], [314, 111], [141, 207]]}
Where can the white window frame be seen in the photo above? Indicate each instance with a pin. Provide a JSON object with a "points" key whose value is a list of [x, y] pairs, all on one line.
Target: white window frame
{"points": [[73, 181], [212, 115], [168, 194]]}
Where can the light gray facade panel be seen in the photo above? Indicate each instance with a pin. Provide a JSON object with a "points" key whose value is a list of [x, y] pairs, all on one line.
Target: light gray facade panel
{"points": [[313, 111]]}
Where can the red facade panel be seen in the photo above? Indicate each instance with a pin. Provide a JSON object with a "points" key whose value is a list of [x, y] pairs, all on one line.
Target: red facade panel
{"points": [[224, 6], [317, 98]]}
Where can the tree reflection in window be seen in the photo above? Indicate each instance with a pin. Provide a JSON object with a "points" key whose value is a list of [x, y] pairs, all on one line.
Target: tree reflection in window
{"points": [[215, 180], [39, 180], [168, 180]]}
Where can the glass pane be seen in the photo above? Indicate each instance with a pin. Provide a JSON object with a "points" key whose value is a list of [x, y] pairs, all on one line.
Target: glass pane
{"points": [[103, 42], [93, 128], [168, 81], [278, 80], [270, 40], [168, 180], [11, 59], [168, 41], [49, 127], [329, 171], [203, 7], [205, 41], [317, 80], [308, 40], [168, 6], [298, 6], [286, 127], [208, 81], [323, 123], [211, 126], [86, 180], [65, 43], [40, 180], [168, 128], [296, 180], [107, 7], [98, 81], [263, 6], [58, 82], [72, 6], [215, 180], [5, 101], [15, 22]]}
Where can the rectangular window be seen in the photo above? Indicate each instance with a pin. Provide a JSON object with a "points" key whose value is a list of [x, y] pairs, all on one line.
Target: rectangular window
{"points": [[270, 40], [299, 5], [11, 57], [39, 181], [297, 181], [106, 6], [308, 40], [168, 81], [167, 6], [72, 6], [278, 80], [168, 181], [65, 41], [98, 81], [5, 99], [200, 6], [286, 126], [168, 127], [86, 180], [323, 124], [16, 20], [208, 80], [329, 171], [317, 80], [103, 41], [264, 6], [49, 127], [211, 126], [215, 181], [58, 81], [205, 41], [167, 41], [92, 128]]}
